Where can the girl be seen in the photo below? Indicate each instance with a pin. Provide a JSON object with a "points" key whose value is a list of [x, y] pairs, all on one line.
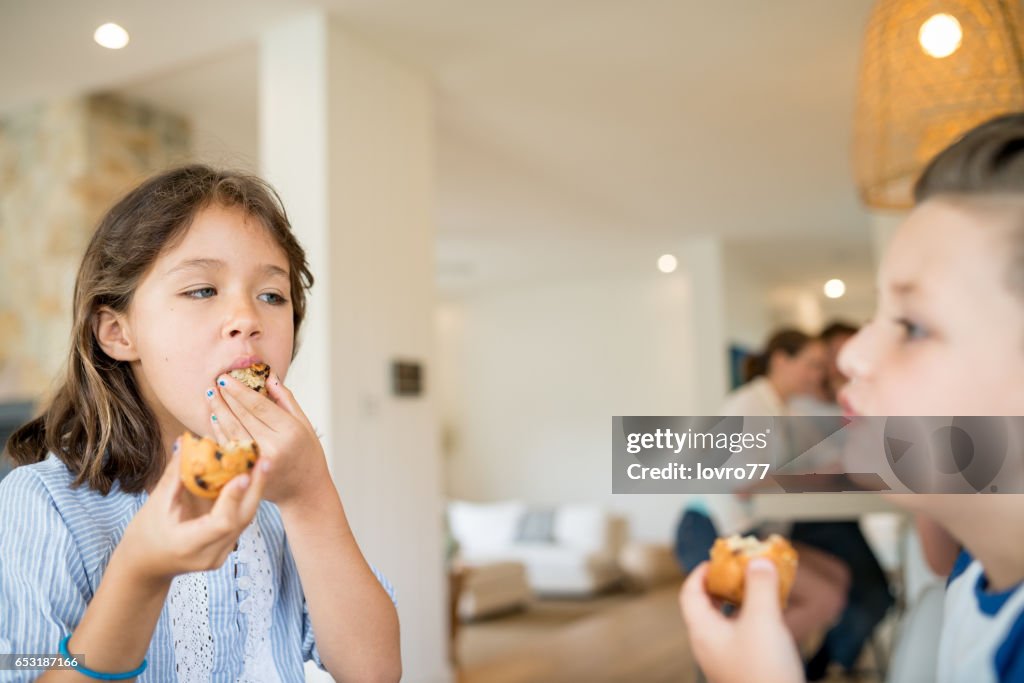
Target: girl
{"points": [[946, 341], [103, 553]]}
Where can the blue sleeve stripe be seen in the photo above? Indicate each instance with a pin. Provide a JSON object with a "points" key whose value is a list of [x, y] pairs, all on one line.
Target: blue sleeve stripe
{"points": [[1009, 659], [963, 560]]}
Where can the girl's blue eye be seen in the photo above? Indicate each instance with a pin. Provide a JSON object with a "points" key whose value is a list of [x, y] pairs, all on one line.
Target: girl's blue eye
{"points": [[276, 299], [201, 293], [912, 329]]}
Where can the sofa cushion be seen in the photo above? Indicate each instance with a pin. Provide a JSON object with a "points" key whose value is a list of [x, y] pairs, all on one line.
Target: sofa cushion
{"points": [[581, 527], [537, 525], [484, 528]]}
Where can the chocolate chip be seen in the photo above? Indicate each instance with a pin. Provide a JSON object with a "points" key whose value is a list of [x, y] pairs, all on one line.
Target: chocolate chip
{"points": [[218, 455], [201, 483]]}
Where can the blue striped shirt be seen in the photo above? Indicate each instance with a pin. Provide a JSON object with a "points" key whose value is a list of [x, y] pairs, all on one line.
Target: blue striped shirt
{"points": [[246, 621]]}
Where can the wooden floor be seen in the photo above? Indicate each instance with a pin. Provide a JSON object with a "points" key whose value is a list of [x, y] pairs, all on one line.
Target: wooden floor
{"points": [[636, 638], [617, 638]]}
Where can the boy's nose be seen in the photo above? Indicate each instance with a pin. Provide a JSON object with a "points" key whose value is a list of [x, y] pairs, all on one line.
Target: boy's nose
{"points": [[854, 360]]}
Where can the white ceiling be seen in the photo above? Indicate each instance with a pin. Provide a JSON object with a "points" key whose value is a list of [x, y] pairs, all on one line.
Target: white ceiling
{"points": [[575, 137]]}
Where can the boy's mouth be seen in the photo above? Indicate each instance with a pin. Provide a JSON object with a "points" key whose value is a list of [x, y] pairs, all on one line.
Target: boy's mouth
{"points": [[847, 405]]}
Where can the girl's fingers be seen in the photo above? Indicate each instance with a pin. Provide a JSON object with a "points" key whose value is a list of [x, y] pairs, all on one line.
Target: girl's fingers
{"points": [[282, 396], [252, 407], [166, 487], [223, 419], [225, 515], [250, 422], [251, 500]]}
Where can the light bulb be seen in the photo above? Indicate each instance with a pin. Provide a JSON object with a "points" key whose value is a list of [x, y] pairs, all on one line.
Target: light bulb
{"points": [[940, 36], [111, 36], [667, 263], [835, 288]]}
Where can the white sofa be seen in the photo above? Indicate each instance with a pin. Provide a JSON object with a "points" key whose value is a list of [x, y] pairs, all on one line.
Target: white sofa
{"points": [[580, 558]]}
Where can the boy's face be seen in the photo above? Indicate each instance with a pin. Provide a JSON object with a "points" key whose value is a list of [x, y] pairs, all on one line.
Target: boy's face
{"points": [[220, 296], [948, 336]]}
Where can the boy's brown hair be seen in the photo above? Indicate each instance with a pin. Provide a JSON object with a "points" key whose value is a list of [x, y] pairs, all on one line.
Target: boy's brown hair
{"points": [[97, 422], [987, 160]]}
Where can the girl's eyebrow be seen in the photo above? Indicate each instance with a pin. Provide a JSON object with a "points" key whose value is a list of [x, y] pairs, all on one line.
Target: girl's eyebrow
{"points": [[268, 269]]}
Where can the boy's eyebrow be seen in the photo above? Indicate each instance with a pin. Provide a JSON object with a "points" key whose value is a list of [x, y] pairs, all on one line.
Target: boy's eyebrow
{"points": [[267, 268], [904, 289]]}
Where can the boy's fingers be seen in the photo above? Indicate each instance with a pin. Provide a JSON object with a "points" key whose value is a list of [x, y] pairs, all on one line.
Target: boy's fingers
{"points": [[702, 617], [761, 591]]}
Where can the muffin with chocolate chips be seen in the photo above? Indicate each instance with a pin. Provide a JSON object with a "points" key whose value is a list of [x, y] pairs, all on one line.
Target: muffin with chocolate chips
{"points": [[206, 466], [255, 377]]}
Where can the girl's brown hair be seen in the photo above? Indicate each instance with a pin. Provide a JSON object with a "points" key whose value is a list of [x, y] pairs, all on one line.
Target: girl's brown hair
{"points": [[791, 342], [97, 422]]}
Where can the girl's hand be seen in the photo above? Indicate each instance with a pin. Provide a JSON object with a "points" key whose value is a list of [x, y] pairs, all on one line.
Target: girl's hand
{"points": [[286, 439], [175, 532], [755, 645]]}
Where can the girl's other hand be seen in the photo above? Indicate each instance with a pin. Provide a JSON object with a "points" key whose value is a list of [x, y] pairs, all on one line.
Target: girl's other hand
{"points": [[175, 532], [755, 644]]}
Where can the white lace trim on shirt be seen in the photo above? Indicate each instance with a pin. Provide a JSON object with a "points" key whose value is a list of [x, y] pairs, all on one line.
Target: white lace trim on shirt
{"points": [[189, 605], [258, 606]]}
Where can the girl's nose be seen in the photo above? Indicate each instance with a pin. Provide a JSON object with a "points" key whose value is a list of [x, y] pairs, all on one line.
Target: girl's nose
{"points": [[242, 322]]}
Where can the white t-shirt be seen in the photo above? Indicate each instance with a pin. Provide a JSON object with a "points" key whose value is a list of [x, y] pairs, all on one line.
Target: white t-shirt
{"points": [[756, 398], [982, 631]]}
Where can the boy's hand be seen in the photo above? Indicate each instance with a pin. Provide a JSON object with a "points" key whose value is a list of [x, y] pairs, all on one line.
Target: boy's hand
{"points": [[174, 532], [755, 645], [287, 440]]}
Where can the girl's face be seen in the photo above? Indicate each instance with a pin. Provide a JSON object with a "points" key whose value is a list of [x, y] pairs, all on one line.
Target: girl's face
{"points": [[219, 299], [948, 336]]}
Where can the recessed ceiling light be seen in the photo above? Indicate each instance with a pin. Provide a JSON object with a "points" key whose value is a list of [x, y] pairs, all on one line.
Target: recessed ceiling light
{"points": [[835, 288], [111, 36], [667, 263]]}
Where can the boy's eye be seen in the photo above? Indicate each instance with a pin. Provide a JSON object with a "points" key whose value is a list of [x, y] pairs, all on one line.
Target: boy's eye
{"points": [[912, 329]]}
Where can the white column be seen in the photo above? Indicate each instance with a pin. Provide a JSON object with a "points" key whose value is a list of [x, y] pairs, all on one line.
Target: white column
{"points": [[346, 137], [702, 262]]}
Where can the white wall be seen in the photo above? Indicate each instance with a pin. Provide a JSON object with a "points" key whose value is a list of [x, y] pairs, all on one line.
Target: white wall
{"points": [[747, 315], [347, 136], [531, 376]]}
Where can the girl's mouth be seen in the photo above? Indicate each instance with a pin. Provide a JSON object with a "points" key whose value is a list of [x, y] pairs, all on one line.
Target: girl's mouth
{"points": [[243, 362]]}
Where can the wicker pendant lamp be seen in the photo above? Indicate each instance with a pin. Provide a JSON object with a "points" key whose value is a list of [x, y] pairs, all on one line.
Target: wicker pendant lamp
{"points": [[930, 71]]}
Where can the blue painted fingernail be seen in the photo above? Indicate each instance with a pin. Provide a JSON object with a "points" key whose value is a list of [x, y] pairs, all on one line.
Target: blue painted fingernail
{"points": [[222, 383], [213, 417], [209, 393]]}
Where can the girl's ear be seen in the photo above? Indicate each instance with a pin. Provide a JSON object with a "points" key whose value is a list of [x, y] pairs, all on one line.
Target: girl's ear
{"points": [[113, 335]]}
